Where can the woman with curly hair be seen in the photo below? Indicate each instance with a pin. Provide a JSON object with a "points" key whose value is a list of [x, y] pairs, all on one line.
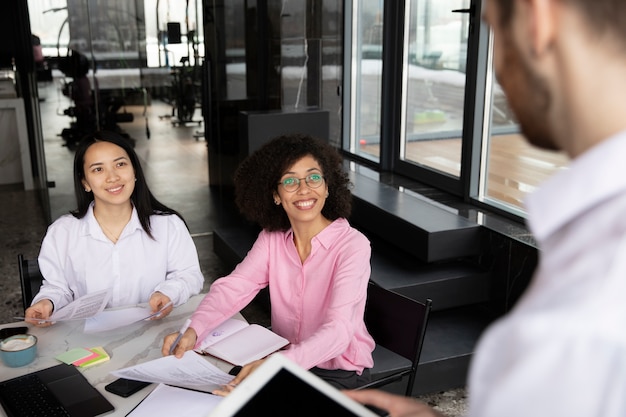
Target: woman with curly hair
{"points": [[316, 266]]}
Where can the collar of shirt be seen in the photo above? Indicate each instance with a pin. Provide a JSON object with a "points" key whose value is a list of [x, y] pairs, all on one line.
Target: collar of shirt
{"points": [[591, 178], [328, 235], [91, 227]]}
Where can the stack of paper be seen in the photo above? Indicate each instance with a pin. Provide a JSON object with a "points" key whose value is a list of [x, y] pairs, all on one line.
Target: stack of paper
{"points": [[191, 371], [84, 358]]}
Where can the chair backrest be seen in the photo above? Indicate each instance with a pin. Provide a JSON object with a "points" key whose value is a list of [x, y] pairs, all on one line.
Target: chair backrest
{"points": [[397, 323], [30, 279]]}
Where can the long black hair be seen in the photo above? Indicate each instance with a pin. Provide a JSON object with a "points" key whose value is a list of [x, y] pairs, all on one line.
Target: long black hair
{"points": [[143, 200]]}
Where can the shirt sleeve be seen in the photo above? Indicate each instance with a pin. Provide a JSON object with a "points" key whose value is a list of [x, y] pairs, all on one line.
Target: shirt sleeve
{"points": [[183, 277], [551, 376], [343, 320], [229, 294], [51, 258]]}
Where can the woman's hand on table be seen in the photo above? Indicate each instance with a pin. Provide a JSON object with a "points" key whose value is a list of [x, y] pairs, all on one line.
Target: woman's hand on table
{"points": [[39, 312], [245, 371], [187, 342], [158, 301]]}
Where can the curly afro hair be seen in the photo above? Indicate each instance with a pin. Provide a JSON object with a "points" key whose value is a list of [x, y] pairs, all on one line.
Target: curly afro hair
{"points": [[256, 179]]}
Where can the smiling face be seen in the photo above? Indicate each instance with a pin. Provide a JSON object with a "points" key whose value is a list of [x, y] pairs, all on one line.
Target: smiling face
{"points": [[109, 174], [304, 205]]}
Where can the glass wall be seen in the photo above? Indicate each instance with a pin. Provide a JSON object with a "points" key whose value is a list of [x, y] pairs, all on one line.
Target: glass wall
{"points": [[418, 97], [434, 79], [362, 121], [123, 52], [125, 42], [511, 167], [174, 30], [115, 65], [269, 57], [310, 61], [446, 122]]}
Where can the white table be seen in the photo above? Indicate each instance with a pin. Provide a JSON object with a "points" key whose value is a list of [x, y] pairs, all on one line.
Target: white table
{"points": [[127, 346]]}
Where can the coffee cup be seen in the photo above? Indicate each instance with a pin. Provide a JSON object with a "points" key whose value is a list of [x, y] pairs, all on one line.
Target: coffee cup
{"points": [[18, 350]]}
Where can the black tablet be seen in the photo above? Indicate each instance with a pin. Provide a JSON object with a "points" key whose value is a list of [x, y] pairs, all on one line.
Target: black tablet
{"points": [[279, 387]]}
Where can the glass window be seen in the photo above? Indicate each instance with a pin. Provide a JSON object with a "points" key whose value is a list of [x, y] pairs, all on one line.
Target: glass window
{"points": [[365, 66], [176, 19], [311, 58], [434, 70], [445, 70], [512, 168]]}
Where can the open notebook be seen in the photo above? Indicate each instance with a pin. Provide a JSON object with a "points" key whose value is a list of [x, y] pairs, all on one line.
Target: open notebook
{"points": [[240, 343], [279, 387]]}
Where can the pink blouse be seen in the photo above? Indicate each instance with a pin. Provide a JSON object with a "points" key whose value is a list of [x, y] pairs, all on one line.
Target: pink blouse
{"points": [[317, 305]]}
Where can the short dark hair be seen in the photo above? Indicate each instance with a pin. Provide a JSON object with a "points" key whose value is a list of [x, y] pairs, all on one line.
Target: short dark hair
{"points": [[143, 200], [256, 179]]}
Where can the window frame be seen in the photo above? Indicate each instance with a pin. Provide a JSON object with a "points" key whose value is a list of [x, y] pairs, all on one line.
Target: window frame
{"points": [[470, 184]]}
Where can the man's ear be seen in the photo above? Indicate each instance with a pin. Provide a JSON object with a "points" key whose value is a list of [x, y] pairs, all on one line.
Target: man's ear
{"points": [[542, 18]]}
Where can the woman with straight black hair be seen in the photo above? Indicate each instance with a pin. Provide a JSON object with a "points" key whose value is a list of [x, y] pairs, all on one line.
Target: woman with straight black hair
{"points": [[120, 238]]}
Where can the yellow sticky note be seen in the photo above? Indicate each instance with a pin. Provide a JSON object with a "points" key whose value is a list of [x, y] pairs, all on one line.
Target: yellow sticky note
{"points": [[102, 357]]}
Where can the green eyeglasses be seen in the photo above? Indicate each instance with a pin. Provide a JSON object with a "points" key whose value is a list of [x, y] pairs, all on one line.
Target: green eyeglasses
{"points": [[291, 184]]}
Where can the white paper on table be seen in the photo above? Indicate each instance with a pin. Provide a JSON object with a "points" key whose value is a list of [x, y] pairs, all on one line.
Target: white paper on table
{"points": [[191, 371], [165, 400], [110, 319], [83, 307]]}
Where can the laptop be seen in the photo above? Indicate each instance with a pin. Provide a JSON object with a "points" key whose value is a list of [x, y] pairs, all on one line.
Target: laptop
{"points": [[279, 387], [57, 391]]}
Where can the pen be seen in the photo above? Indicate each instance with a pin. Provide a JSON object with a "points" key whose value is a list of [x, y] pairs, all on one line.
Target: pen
{"points": [[33, 320], [158, 313], [180, 335]]}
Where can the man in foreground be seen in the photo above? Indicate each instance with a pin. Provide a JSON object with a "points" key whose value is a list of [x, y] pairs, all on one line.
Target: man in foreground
{"points": [[562, 350]]}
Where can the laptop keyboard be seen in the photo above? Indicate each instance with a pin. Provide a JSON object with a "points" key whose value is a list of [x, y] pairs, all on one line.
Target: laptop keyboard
{"points": [[28, 396]]}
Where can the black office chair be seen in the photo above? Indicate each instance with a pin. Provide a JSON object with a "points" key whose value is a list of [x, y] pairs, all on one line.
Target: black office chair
{"points": [[398, 325], [30, 279]]}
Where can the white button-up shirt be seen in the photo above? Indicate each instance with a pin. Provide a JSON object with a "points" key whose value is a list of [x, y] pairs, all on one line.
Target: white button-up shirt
{"points": [[562, 349], [76, 258]]}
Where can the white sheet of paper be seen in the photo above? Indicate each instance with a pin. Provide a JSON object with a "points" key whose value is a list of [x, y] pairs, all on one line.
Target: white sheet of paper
{"points": [[165, 400], [114, 318], [190, 371], [84, 307]]}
